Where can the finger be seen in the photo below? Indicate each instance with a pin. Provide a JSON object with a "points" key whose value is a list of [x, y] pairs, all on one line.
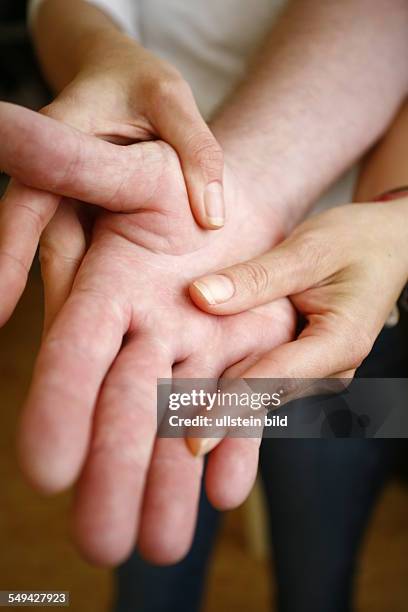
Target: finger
{"points": [[72, 363], [199, 373], [232, 466], [109, 497], [24, 213], [171, 502], [47, 154], [62, 248], [255, 332], [327, 346], [179, 122], [233, 463], [174, 481], [289, 268], [231, 471]]}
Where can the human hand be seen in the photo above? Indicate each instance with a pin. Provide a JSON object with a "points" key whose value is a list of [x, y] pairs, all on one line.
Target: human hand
{"points": [[30, 146], [124, 96], [343, 270], [128, 321]]}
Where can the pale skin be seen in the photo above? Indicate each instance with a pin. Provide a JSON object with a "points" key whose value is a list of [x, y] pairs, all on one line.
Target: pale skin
{"points": [[343, 270], [91, 406], [137, 263]]}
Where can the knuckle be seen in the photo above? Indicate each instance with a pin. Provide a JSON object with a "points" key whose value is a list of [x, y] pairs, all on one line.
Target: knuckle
{"points": [[46, 254], [310, 250], [52, 257], [37, 215], [168, 87], [254, 277], [206, 152]]}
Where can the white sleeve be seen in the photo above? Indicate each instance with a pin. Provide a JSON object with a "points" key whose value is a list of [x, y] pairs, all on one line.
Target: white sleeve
{"points": [[123, 12]]}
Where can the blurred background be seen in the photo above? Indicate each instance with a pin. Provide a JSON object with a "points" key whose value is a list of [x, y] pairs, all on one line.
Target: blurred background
{"points": [[36, 552]]}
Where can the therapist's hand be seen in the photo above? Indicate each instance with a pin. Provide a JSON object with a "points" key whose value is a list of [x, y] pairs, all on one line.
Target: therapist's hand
{"points": [[124, 93], [343, 270]]}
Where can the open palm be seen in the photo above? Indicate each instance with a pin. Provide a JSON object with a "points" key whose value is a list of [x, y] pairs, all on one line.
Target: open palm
{"points": [[128, 320]]}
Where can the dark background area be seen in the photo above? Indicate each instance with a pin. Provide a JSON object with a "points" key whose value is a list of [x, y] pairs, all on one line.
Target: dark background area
{"points": [[20, 79]]}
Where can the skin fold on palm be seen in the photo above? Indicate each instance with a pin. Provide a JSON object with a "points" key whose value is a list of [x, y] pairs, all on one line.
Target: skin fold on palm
{"points": [[91, 409]]}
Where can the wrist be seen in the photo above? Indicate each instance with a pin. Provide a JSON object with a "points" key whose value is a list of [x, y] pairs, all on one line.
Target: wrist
{"points": [[400, 207], [70, 36], [248, 211], [106, 48], [116, 65], [394, 230], [265, 192]]}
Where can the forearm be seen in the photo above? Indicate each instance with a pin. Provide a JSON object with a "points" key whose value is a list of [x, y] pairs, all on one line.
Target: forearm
{"points": [[70, 37], [318, 95], [322, 90], [386, 166]]}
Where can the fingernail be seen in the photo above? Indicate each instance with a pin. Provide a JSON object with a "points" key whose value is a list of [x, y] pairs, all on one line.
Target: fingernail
{"points": [[215, 289], [214, 204], [202, 446]]}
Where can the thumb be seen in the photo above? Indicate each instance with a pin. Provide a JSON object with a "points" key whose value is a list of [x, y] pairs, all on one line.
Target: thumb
{"points": [[287, 269], [179, 122]]}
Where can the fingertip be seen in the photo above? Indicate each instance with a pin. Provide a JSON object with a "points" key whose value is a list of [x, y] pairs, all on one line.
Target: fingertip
{"points": [[102, 548], [45, 477], [203, 220], [49, 466], [200, 296], [211, 223], [214, 294], [215, 223], [163, 551], [199, 447], [231, 472], [207, 203], [214, 205]]}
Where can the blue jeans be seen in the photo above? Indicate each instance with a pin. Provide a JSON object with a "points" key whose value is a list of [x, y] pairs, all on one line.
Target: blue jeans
{"points": [[320, 494]]}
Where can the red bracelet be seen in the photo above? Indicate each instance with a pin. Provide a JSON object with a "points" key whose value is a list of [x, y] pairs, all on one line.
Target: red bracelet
{"points": [[393, 194]]}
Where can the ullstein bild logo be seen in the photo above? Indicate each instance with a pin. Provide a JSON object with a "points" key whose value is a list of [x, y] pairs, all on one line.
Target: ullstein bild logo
{"points": [[285, 408], [228, 421]]}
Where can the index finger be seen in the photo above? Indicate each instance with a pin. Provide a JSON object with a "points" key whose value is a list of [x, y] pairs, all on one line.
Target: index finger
{"points": [[46, 154]]}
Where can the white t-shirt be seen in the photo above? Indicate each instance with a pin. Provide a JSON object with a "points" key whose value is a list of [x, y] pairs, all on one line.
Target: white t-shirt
{"points": [[210, 42]]}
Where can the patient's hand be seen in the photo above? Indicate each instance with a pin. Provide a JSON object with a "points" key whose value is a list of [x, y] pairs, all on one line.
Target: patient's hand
{"points": [[91, 410]]}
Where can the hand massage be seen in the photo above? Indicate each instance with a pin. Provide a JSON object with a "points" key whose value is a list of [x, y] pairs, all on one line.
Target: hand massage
{"points": [[217, 191]]}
